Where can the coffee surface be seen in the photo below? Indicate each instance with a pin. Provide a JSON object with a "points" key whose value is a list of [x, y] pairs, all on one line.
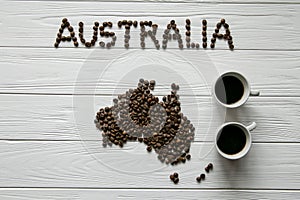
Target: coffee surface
{"points": [[229, 89], [232, 140]]}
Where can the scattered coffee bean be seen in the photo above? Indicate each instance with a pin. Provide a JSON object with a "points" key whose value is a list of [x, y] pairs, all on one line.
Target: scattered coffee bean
{"points": [[202, 176], [198, 179]]}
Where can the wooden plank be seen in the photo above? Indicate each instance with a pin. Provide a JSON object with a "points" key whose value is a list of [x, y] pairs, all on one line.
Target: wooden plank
{"points": [[93, 194], [78, 71], [42, 117], [88, 165], [253, 26]]}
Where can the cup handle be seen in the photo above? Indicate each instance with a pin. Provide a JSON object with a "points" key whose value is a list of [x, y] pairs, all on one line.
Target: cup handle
{"points": [[251, 126], [254, 93]]}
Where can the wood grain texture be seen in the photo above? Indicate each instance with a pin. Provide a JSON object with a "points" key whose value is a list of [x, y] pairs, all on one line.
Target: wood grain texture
{"points": [[96, 194], [40, 21], [59, 118], [84, 71], [89, 165]]}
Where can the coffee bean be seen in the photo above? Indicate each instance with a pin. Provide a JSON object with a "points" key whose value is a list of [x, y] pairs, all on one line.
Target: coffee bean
{"points": [[172, 22], [188, 156], [149, 148], [204, 22], [212, 45], [96, 24], [188, 27], [188, 21], [218, 25], [109, 24], [56, 44], [88, 44], [135, 23], [120, 24], [64, 38], [172, 177], [217, 30], [175, 174], [213, 40], [226, 26], [204, 28], [80, 24], [188, 33], [58, 40], [102, 44], [204, 45], [64, 20], [210, 165], [198, 179], [231, 46], [176, 180], [76, 44], [222, 21], [202, 176], [204, 33], [70, 28], [61, 30], [204, 39], [207, 169], [215, 35]]}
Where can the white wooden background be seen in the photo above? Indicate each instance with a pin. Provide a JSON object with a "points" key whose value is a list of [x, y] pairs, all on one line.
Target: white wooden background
{"points": [[42, 155]]}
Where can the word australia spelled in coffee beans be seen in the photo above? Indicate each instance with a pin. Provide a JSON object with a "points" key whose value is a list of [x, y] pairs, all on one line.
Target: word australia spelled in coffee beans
{"points": [[138, 115], [172, 32]]}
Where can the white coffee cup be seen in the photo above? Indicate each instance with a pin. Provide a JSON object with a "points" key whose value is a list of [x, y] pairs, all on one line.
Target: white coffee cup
{"points": [[246, 92], [246, 130]]}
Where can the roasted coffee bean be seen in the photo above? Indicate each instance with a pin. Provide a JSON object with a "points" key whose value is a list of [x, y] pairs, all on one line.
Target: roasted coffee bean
{"points": [[80, 24], [176, 180], [61, 30], [188, 27], [188, 156], [220, 36], [172, 177], [226, 25], [217, 30], [80, 30], [58, 40], [56, 44], [175, 175], [105, 24], [204, 28], [124, 22], [230, 42], [212, 45], [222, 21], [213, 40], [210, 166], [188, 33], [96, 24], [218, 25], [204, 39], [231, 46], [135, 23], [120, 24], [204, 33], [207, 169], [59, 35], [204, 22], [88, 44], [172, 22], [76, 44], [70, 28], [111, 34], [215, 35], [102, 44], [101, 28], [204, 45], [149, 148], [198, 179], [64, 20], [202, 176], [188, 21], [102, 33], [64, 38], [109, 24], [141, 23], [72, 34], [82, 40], [127, 26]]}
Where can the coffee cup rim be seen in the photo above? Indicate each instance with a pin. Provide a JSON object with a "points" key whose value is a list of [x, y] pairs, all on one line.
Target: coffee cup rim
{"points": [[245, 83], [247, 146]]}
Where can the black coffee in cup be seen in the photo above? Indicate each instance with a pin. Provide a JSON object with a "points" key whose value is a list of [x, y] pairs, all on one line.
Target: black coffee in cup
{"points": [[229, 89], [232, 139]]}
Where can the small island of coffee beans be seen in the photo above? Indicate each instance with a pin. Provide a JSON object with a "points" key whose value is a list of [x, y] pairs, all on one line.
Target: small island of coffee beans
{"points": [[169, 133], [174, 177]]}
